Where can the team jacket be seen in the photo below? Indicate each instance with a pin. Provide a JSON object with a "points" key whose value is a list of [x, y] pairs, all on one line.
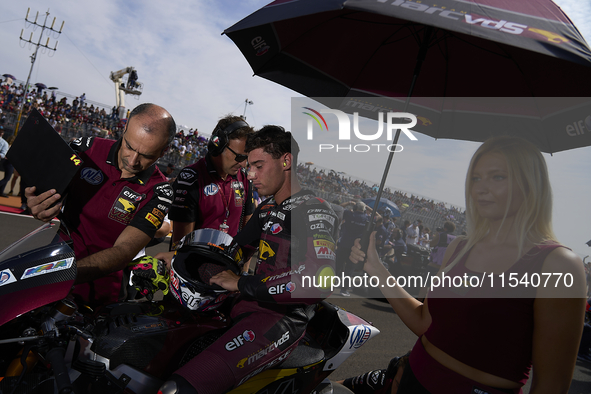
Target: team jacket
{"points": [[201, 196], [296, 250]]}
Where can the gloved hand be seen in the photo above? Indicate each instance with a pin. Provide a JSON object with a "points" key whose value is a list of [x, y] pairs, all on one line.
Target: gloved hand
{"points": [[149, 275]]}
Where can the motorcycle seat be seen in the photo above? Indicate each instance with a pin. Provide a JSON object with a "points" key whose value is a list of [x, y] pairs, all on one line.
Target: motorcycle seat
{"points": [[307, 352]]}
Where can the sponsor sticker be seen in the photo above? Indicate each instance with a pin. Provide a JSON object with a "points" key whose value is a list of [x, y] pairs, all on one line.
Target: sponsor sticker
{"points": [[165, 190], [264, 351], [325, 243], [320, 216], [6, 277], [48, 268], [265, 250], [238, 188], [235, 343], [185, 175], [154, 220], [280, 289], [359, 336], [174, 280], [324, 249], [125, 205], [297, 271], [211, 189], [158, 213], [92, 175]]}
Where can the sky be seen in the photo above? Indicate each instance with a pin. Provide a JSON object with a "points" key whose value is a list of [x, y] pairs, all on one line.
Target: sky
{"points": [[199, 75]]}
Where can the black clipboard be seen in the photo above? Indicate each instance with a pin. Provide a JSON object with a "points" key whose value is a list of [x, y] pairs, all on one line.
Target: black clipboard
{"points": [[41, 156]]}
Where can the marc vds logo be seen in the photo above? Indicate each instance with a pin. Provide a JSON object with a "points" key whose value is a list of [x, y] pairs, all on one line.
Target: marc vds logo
{"points": [[394, 121]]}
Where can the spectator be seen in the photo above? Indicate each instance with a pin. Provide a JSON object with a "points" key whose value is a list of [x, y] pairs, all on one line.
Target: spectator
{"points": [[169, 172], [15, 177], [354, 223], [412, 233], [8, 169], [339, 210], [424, 241]]}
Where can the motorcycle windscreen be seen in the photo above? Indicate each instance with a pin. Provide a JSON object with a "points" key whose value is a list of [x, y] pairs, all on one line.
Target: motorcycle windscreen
{"points": [[35, 271]]}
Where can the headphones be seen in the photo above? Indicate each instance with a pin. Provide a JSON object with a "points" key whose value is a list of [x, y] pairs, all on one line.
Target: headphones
{"points": [[220, 138]]}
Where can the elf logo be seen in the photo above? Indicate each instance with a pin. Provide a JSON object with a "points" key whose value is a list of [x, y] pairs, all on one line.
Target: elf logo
{"points": [[259, 45], [235, 343], [579, 127], [279, 289]]}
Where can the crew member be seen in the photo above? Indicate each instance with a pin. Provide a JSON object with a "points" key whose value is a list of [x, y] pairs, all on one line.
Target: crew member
{"points": [[117, 202], [214, 192]]}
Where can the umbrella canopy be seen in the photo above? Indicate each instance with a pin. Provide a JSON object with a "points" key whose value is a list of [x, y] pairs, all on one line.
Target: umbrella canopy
{"points": [[494, 48], [8, 76], [384, 203], [41, 85], [52, 88], [553, 124]]}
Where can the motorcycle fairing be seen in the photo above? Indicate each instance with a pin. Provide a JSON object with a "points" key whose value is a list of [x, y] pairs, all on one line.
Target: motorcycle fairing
{"points": [[38, 276], [147, 336]]}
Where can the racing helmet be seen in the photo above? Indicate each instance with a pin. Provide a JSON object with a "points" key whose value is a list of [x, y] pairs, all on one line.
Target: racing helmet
{"points": [[202, 254]]}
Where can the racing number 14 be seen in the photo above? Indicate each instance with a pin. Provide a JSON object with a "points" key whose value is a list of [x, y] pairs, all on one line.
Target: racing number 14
{"points": [[75, 159]]}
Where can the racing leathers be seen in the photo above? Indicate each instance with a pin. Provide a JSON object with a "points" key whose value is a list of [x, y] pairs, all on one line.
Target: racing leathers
{"points": [[295, 264]]}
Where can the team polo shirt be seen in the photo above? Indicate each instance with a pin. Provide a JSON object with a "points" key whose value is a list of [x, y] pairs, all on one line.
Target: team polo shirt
{"points": [[201, 196], [100, 205]]}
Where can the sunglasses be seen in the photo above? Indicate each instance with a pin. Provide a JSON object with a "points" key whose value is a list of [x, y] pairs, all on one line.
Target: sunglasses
{"points": [[239, 157]]}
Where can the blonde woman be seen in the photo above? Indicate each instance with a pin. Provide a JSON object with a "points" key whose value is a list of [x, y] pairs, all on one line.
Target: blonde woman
{"points": [[476, 338]]}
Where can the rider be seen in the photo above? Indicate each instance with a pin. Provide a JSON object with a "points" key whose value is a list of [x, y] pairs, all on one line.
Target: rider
{"points": [[274, 305]]}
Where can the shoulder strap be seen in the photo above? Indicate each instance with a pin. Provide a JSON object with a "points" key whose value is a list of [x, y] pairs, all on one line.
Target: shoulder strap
{"points": [[456, 251]]}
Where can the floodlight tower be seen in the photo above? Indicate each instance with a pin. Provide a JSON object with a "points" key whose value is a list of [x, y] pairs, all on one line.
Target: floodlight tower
{"points": [[44, 27]]}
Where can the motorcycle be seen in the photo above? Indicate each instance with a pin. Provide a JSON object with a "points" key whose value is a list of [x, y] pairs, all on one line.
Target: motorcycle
{"points": [[49, 344]]}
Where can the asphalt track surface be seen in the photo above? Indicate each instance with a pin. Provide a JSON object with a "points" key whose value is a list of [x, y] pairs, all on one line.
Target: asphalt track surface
{"points": [[394, 340]]}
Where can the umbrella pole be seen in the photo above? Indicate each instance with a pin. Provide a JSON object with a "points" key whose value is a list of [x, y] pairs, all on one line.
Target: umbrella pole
{"points": [[429, 30]]}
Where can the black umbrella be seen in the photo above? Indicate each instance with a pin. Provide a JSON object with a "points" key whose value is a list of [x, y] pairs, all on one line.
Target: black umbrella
{"points": [[376, 48], [8, 76], [371, 48], [41, 86]]}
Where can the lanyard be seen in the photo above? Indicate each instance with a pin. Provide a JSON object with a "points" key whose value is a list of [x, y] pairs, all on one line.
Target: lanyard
{"points": [[224, 226]]}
